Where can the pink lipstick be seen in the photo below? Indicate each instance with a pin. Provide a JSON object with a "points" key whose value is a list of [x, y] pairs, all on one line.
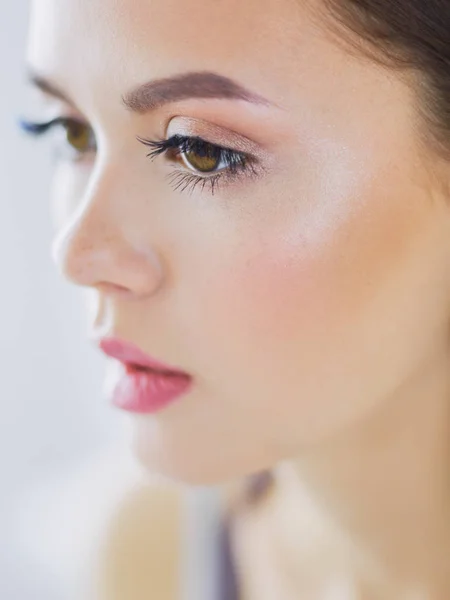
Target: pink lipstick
{"points": [[144, 385]]}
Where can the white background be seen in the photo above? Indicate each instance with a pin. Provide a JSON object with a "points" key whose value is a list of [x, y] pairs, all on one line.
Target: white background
{"points": [[53, 420]]}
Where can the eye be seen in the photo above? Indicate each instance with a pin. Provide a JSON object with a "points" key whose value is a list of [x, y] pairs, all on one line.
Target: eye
{"points": [[204, 163], [203, 157], [198, 155], [77, 137]]}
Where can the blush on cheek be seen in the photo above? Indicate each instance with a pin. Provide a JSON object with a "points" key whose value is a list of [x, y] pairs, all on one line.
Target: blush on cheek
{"points": [[271, 296], [291, 274], [317, 287], [309, 284]]}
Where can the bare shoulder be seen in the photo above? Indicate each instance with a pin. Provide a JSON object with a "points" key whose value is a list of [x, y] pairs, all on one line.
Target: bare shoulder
{"points": [[138, 556]]}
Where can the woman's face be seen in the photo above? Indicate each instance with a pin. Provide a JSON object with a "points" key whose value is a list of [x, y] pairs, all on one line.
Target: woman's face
{"points": [[302, 291]]}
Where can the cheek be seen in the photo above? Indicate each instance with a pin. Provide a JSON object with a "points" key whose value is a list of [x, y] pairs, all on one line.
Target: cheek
{"points": [[274, 291], [304, 285], [305, 294]]}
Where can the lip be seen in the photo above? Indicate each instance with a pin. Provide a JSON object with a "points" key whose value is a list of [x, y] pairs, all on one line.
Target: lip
{"points": [[142, 384], [129, 354]]}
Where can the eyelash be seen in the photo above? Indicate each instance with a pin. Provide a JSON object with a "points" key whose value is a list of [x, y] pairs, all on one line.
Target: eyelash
{"points": [[40, 129], [237, 163], [174, 147]]}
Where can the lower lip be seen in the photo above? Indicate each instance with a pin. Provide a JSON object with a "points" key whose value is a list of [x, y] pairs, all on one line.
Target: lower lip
{"points": [[147, 392]]}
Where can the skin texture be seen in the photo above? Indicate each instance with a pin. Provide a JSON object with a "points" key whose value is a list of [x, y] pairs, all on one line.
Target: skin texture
{"points": [[310, 303]]}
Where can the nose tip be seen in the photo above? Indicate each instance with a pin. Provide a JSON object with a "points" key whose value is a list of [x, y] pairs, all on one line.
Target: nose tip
{"points": [[107, 240], [106, 262]]}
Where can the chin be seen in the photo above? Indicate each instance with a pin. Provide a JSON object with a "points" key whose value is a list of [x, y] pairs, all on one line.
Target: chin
{"points": [[206, 468]]}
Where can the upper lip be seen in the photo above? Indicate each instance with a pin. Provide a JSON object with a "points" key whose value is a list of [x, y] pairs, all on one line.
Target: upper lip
{"points": [[131, 355]]}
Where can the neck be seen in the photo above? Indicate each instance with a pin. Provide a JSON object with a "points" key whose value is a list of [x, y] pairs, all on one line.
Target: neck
{"points": [[381, 492]]}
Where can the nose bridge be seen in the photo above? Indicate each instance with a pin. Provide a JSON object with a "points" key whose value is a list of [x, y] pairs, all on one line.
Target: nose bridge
{"points": [[99, 247]]}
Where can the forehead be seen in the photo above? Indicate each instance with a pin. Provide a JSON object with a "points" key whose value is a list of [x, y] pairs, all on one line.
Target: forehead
{"points": [[122, 42]]}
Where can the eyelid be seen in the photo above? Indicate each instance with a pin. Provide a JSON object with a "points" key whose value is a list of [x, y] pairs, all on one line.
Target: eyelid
{"points": [[214, 135]]}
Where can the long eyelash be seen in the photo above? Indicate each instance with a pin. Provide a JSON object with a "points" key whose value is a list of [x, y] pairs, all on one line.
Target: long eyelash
{"points": [[178, 144], [184, 144], [161, 146], [38, 129], [183, 180]]}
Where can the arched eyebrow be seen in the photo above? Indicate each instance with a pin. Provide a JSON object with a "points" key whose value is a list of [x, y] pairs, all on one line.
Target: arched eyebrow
{"points": [[159, 92], [206, 84]]}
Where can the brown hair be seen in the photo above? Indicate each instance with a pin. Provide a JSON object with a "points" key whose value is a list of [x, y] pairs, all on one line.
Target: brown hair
{"points": [[411, 37]]}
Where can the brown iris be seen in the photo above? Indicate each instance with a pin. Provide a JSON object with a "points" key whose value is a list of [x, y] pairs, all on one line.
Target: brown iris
{"points": [[202, 157], [78, 135]]}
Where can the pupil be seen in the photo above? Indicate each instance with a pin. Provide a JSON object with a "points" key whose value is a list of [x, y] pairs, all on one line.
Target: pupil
{"points": [[203, 157]]}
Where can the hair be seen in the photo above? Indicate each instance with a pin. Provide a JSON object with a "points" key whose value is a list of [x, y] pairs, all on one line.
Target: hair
{"points": [[412, 37]]}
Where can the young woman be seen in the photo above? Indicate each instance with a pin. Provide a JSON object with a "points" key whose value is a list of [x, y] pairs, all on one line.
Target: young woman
{"points": [[258, 195]]}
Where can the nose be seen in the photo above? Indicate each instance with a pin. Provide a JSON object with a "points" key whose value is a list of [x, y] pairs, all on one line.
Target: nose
{"points": [[104, 244]]}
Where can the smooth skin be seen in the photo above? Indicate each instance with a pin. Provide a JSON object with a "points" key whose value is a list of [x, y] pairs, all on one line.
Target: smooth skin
{"points": [[309, 297]]}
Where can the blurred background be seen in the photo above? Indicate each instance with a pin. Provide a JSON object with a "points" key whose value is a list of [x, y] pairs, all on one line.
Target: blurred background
{"points": [[64, 451], [54, 426]]}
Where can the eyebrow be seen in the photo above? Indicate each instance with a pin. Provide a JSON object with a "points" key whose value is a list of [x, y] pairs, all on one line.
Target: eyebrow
{"points": [[159, 92], [47, 86]]}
